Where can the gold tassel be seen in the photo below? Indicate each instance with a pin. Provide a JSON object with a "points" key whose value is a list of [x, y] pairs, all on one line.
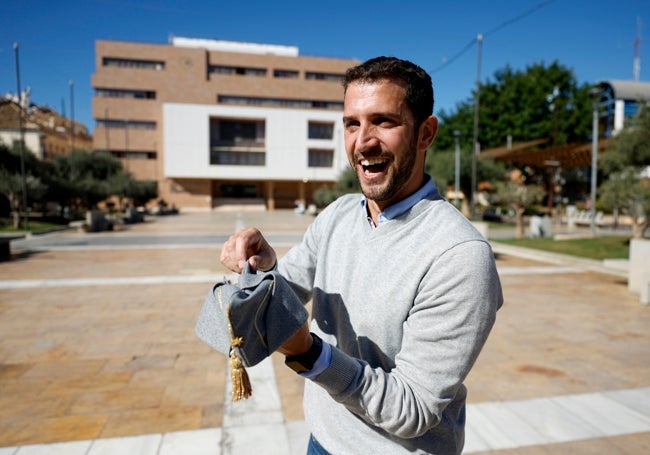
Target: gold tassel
{"points": [[241, 384]]}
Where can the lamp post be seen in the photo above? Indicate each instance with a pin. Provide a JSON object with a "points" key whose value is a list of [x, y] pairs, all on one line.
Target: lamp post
{"points": [[457, 168], [595, 103], [22, 138], [475, 146], [71, 83]]}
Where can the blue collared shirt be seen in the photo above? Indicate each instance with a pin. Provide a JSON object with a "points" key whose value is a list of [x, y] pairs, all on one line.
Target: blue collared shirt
{"points": [[403, 206]]}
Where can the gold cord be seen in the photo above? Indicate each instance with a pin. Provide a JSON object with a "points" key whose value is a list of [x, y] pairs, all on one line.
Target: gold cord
{"points": [[241, 384]]}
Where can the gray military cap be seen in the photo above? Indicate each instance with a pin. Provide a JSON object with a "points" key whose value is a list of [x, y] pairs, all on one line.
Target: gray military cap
{"points": [[265, 311]]}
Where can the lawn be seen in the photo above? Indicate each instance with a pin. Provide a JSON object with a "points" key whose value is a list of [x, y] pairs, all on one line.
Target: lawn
{"points": [[603, 247], [35, 226]]}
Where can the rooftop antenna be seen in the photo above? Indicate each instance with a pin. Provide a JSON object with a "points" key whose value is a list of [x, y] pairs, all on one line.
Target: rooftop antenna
{"points": [[637, 50]]}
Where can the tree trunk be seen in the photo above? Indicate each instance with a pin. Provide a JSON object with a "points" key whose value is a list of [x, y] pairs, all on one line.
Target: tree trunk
{"points": [[639, 226], [14, 201], [519, 223]]}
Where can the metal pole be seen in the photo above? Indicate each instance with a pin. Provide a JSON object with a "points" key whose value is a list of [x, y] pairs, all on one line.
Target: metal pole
{"points": [[22, 138], [595, 93], [457, 168], [475, 148], [71, 82], [108, 148]]}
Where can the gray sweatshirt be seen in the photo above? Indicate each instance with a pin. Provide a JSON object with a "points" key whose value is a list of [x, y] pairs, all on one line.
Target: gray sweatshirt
{"points": [[407, 307]]}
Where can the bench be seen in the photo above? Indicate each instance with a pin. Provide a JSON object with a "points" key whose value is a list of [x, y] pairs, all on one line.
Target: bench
{"points": [[5, 245], [583, 218]]}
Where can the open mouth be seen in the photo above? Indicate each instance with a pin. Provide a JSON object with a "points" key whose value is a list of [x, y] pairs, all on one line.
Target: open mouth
{"points": [[374, 165]]}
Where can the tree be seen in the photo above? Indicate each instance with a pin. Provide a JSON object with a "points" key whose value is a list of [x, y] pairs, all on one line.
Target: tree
{"points": [[86, 178], [538, 102], [518, 196], [627, 161], [11, 180], [347, 183], [441, 165]]}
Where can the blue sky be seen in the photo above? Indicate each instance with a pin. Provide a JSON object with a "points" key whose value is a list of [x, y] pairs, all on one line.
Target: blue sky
{"points": [[593, 38]]}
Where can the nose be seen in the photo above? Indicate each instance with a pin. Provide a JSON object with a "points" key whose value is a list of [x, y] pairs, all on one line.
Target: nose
{"points": [[366, 138]]}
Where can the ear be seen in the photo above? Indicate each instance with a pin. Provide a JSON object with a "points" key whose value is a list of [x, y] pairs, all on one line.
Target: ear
{"points": [[427, 132]]}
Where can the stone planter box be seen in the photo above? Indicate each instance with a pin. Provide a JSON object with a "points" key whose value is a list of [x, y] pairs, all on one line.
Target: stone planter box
{"points": [[639, 275]]}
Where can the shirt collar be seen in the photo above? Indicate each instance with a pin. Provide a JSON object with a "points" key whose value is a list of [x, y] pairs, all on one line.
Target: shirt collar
{"points": [[399, 208]]}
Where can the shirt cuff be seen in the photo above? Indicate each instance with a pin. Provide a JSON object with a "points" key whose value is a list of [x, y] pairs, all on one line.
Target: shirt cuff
{"points": [[323, 361]]}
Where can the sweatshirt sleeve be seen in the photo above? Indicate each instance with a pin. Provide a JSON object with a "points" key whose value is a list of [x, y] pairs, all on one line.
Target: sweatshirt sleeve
{"points": [[444, 332]]}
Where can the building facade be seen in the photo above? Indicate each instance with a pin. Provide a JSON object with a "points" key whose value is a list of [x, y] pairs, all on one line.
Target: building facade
{"points": [[619, 101], [217, 121], [46, 133]]}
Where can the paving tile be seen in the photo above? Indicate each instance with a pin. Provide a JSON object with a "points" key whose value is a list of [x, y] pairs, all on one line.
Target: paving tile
{"points": [[148, 421], [197, 442], [61, 448], [55, 429], [609, 416], [135, 445], [269, 439]]}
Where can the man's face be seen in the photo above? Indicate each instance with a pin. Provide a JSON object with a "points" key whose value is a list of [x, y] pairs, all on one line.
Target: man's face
{"points": [[382, 144]]}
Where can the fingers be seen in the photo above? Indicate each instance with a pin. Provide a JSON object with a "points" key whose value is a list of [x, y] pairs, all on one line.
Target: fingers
{"points": [[247, 245]]}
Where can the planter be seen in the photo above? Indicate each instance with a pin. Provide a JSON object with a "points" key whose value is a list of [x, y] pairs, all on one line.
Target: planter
{"points": [[639, 274]]}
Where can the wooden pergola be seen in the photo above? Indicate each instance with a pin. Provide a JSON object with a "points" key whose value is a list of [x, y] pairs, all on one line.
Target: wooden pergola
{"points": [[540, 155]]}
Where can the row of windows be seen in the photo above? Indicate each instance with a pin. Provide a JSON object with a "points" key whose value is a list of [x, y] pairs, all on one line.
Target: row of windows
{"points": [[125, 93], [220, 69], [316, 158], [277, 73], [134, 155], [279, 102], [237, 158], [133, 63], [223, 69], [130, 124], [252, 133]]}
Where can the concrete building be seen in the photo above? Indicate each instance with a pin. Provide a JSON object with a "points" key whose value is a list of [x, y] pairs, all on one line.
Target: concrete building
{"points": [[217, 121]]}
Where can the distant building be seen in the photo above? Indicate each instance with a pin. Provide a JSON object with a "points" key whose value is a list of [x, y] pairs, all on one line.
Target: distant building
{"points": [[620, 100], [212, 121], [45, 131]]}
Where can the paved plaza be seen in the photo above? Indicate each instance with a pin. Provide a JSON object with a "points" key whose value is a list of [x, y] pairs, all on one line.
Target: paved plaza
{"points": [[98, 353]]}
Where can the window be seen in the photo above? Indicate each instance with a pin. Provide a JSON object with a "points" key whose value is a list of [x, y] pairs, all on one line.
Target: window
{"points": [[225, 157], [321, 158], [289, 74], [237, 142], [279, 102], [321, 130], [132, 63], [237, 70], [130, 124], [134, 154], [123, 93], [237, 133], [310, 75]]}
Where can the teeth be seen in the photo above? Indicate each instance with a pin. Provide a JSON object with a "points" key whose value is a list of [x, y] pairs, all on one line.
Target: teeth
{"points": [[370, 162]]}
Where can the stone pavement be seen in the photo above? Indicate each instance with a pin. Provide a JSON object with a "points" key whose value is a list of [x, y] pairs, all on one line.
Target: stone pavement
{"points": [[98, 353]]}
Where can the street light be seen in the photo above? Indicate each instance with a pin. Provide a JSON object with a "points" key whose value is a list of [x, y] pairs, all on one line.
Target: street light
{"points": [[595, 103], [475, 144], [71, 83], [22, 137], [457, 168]]}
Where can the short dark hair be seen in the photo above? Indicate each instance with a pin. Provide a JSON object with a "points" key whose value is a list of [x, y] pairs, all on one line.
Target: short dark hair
{"points": [[418, 86]]}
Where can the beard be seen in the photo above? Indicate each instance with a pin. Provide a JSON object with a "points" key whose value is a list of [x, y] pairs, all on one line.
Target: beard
{"points": [[396, 178]]}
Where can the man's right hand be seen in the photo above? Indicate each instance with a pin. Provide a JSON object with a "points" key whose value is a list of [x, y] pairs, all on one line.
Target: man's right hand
{"points": [[248, 245]]}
